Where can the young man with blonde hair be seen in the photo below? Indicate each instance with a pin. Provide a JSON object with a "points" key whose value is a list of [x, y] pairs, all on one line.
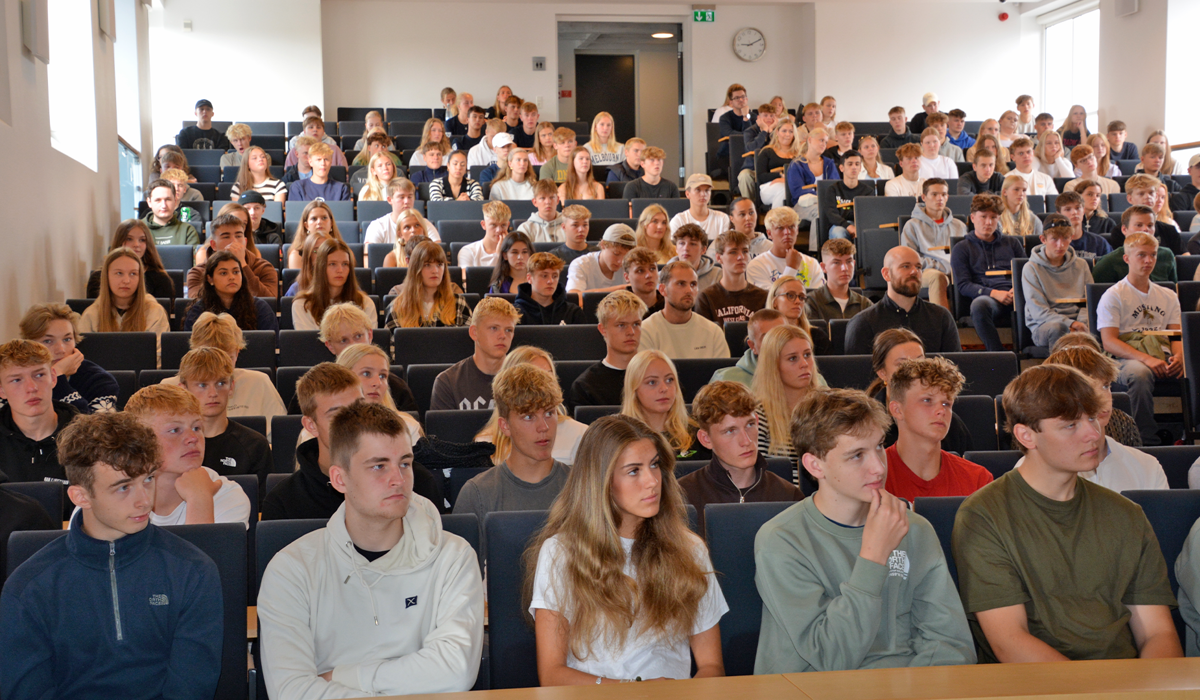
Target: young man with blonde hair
{"points": [[401, 195], [229, 447], [733, 298], [544, 225], [1131, 315], [651, 184], [117, 607], [541, 300], [1142, 189], [482, 253], [239, 138], [630, 168], [851, 578], [1112, 268], [186, 492], [1050, 281], [575, 225], [382, 600], [319, 185], [783, 260], [467, 384], [620, 324], [690, 242], [835, 299], [641, 276], [1111, 598], [920, 397], [728, 426], [1038, 182], [677, 330], [347, 324], [601, 271]]}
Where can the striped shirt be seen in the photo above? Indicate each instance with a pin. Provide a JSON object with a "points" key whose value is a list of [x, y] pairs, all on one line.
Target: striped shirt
{"points": [[270, 189]]}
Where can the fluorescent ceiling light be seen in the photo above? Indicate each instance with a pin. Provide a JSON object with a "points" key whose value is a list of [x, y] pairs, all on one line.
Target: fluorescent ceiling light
{"points": [[662, 35]]}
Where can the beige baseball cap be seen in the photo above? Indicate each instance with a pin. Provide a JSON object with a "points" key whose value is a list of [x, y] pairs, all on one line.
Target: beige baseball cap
{"points": [[698, 180]]}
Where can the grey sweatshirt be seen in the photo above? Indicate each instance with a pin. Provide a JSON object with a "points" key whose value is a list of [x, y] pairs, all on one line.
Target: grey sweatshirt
{"points": [[921, 233], [707, 274], [1044, 284], [825, 608]]}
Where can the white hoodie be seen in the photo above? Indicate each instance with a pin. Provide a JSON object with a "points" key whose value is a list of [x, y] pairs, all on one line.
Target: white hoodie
{"points": [[409, 622]]}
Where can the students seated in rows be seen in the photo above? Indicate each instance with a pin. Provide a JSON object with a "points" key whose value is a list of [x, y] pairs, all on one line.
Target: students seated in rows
{"points": [[1005, 569], [575, 221], [690, 241], [931, 232], [732, 298], [725, 413], [371, 182], [555, 169], [545, 224], [651, 184], [985, 252], [761, 322], [163, 220], [1095, 219], [620, 324], [135, 235], [601, 271], [223, 290], [908, 182], [580, 182], [982, 178], [77, 617], [1112, 268], [319, 185], [902, 307], [699, 194], [1017, 219], [31, 419], [932, 162], [455, 184], [529, 477], [641, 276], [123, 304], [873, 167], [79, 382], [1127, 311], [802, 176], [1024, 158], [385, 531], [920, 396], [786, 371], [1054, 283], [788, 296], [783, 260], [837, 208], [835, 299], [502, 146], [1142, 189], [900, 134], [515, 178], [186, 492], [540, 299], [850, 578], [229, 447], [427, 297], [512, 261], [467, 385], [637, 467], [677, 330], [743, 216]]}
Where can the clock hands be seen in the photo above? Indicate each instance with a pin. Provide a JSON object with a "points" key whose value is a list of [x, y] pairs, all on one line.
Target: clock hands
{"points": [[756, 41]]}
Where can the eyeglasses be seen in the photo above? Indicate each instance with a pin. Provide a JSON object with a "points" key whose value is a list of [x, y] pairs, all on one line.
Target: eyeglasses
{"points": [[795, 296]]}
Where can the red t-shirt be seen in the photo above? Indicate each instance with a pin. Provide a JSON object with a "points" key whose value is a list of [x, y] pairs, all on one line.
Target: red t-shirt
{"points": [[957, 477]]}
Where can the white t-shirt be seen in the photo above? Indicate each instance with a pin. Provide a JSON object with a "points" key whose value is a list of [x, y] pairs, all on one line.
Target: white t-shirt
{"points": [[585, 274], [383, 230], [766, 268], [511, 190], [230, 505], [900, 186], [1125, 308], [480, 154], [605, 158], [883, 169], [699, 338], [1038, 182], [938, 166], [716, 223], [302, 320], [1061, 167], [473, 255], [643, 655]]}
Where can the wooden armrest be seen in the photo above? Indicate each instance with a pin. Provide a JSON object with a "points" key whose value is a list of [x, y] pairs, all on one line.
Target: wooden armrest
{"points": [[1071, 300], [810, 187], [723, 138], [939, 247], [889, 225], [998, 273], [1165, 334], [747, 154]]}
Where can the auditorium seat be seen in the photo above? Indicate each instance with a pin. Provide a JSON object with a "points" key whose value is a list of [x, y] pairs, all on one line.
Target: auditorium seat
{"points": [[121, 350], [51, 495], [259, 350], [456, 426], [998, 462], [1172, 515], [603, 208], [284, 432], [512, 647], [941, 512]]}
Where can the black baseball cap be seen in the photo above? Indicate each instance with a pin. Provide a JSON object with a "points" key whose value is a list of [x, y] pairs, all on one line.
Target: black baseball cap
{"points": [[251, 197], [204, 103]]}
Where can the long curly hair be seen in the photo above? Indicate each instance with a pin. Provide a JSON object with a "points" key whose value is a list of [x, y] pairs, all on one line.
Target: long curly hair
{"points": [[663, 597]]}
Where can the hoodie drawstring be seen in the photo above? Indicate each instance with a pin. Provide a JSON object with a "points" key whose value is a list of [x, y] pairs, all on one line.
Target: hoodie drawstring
{"points": [[368, 586]]}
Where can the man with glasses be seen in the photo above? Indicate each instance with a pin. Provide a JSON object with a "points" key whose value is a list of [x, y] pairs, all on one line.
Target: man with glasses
{"points": [[835, 299], [736, 120]]}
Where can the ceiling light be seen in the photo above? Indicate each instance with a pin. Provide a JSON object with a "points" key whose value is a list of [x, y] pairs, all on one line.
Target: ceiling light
{"points": [[662, 35]]}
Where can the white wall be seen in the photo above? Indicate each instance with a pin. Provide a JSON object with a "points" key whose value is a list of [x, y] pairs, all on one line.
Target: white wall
{"points": [[1183, 103], [257, 60], [1134, 83], [873, 56], [57, 213]]}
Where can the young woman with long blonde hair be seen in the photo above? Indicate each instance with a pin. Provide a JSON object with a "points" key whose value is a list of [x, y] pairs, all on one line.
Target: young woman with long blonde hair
{"points": [[652, 394], [581, 183], [123, 304], [1104, 165], [543, 145], [771, 163], [786, 372], [602, 146], [1017, 219], [433, 132], [619, 588], [873, 168], [516, 177], [654, 232], [409, 224], [255, 174], [315, 220], [1074, 129], [380, 172]]}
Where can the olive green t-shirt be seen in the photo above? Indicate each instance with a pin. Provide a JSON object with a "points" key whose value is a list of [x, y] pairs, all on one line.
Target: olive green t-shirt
{"points": [[1075, 564], [554, 169]]}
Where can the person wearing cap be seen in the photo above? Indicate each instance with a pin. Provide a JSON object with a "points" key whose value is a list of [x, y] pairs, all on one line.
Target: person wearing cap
{"points": [[677, 330], [481, 153], [601, 271], [929, 103], [265, 230], [699, 194], [502, 145], [202, 134], [1052, 281]]}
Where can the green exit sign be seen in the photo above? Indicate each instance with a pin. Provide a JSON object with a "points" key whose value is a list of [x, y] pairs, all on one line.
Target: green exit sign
{"points": [[704, 15]]}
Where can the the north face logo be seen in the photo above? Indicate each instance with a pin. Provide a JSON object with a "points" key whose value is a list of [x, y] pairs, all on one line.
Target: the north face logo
{"points": [[158, 599], [409, 602], [898, 564], [229, 462]]}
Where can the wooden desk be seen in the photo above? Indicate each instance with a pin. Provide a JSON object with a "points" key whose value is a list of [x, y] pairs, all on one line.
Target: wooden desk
{"points": [[1005, 680], [772, 687]]}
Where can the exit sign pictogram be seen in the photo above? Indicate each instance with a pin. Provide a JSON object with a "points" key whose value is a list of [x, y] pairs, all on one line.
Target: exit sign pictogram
{"points": [[704, 15]]}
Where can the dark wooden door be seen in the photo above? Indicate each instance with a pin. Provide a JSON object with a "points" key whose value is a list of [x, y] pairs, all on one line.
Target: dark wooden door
{"points": [[607, 84]]}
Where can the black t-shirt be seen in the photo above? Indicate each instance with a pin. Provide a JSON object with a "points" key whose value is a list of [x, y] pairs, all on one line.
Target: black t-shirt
{"points": [[195, 137], [599, 385], [369, 555], [520, 138], [239, 450]]}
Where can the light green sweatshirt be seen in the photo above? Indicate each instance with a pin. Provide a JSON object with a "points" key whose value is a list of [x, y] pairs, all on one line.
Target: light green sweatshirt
{"points": [[827, 609]]}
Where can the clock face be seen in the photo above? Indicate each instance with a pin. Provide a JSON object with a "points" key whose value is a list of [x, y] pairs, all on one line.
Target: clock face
{"points": [[749, 44]]}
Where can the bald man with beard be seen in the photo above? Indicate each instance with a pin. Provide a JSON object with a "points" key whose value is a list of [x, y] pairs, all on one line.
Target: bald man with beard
{"points": [[902, 307]]}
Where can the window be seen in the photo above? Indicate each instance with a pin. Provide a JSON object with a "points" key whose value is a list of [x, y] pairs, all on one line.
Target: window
{"points": [[70, 79], [1072, 63]]}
